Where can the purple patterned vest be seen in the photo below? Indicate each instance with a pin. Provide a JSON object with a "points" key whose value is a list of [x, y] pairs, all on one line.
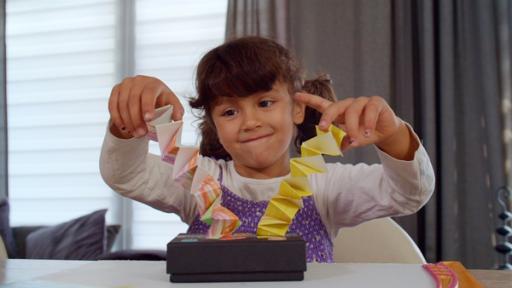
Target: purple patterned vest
{"points": [[307, 223]]}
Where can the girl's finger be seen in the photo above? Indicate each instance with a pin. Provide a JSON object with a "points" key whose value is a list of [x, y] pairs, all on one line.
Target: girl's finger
{"points": [[316, 102], [148, 100], [113, 109], [371, 115], [177, 111], [345, 144], [134, 106], [352, 119], [123, 107], [333, 112], [153, 98]]}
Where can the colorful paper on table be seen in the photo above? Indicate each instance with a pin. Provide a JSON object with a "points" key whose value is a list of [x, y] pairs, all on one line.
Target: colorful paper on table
{"points": [[283, 207], [442, 274], [162, 115], [465, 278]]}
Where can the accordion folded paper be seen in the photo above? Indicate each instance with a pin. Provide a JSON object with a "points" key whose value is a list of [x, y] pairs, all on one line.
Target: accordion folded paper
{"points": [[224, 223], [303, 166], [295, 187], [169, 142], [336, 133], [184, 159], [168, 137], [162, 115], [321, 144], [208, 192], [282, 208], [464, 276], [442, 274]]}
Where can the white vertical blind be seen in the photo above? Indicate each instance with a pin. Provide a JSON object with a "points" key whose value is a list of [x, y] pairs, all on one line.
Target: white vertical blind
{"points": [[171, 36], [62, 60], [60, 69]]}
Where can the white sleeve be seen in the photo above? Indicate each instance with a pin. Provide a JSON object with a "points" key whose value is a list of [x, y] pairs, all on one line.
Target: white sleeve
{"points": [[128, 169], [350, 194]]}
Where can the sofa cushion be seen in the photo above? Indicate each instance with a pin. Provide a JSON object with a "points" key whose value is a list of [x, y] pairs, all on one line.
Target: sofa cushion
{"points": [[20, 234], [5, 229], [112, 231], [83, 238]]}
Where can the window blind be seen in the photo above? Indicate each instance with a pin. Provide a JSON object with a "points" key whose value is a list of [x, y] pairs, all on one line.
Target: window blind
{"points": [[60, 69], [63, 57], [170, 38]]}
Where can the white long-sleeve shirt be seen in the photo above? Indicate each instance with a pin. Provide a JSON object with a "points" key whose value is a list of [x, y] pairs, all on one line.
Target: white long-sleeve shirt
{"points": [[345, 195]]}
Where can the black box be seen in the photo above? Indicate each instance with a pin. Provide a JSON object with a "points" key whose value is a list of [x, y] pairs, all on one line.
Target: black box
{"points": [[194, 258]]}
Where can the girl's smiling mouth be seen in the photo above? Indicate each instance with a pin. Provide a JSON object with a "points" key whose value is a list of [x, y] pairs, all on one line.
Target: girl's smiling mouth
{"points": [[254, 138]]}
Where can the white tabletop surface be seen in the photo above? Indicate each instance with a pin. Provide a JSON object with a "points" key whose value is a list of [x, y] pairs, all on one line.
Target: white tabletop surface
{"points": [[127, 274]]}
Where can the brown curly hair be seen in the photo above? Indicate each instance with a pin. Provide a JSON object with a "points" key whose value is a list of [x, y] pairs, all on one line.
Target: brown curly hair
{"points": [[242, 67]]}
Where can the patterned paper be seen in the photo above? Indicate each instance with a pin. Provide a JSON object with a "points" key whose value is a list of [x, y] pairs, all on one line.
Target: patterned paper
{"points": [[162, 115], [207, 193], [283, 207], [184, 160], [442, 274]]}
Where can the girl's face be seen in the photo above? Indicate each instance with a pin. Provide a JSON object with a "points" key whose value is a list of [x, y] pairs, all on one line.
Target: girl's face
{"points": [[257, 130]]}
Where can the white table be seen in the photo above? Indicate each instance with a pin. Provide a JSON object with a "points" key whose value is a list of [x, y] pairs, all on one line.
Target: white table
{"points": [[19, 273]]}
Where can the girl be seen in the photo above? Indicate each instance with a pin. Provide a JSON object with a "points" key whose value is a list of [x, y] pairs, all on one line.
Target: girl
{"points": [[254, 104]]}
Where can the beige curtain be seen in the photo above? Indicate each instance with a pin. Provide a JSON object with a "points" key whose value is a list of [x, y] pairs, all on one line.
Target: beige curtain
{"points": [[504, 23], [349, 39], [266, 18]]}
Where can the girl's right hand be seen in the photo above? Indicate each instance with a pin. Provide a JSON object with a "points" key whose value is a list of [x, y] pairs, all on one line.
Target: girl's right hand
{"points": [[133, 102]]}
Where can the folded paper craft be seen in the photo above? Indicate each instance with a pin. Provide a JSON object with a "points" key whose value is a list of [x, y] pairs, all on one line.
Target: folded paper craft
{"points": [[281, 209], [162, 115], [270, 255], [464, 277], [184, 159], [286, 203], [208, 192], [451, 274], [442, 274]]}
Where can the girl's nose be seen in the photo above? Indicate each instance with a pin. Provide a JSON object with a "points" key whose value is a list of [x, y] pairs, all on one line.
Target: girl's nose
{"points": [[251, 120]]}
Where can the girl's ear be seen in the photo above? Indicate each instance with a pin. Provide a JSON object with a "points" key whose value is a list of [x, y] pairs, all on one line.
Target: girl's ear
{"points": [[298, 112]]}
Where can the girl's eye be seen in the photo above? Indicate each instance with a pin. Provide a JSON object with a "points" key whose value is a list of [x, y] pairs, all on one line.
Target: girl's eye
{"points": [[229, 113], [265, 103]]}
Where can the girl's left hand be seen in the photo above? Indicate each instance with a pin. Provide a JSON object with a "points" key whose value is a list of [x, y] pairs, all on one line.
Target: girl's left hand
{"points": [[366, 120]]}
